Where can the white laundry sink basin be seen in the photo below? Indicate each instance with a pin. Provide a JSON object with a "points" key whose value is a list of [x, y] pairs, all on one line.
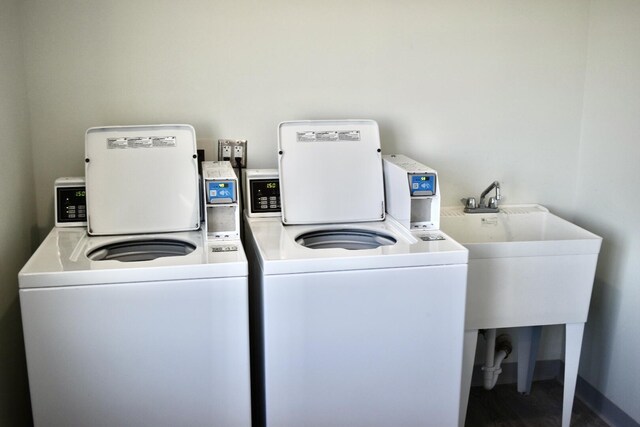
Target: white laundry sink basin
{"points": [[525, 230], [527, 266]]}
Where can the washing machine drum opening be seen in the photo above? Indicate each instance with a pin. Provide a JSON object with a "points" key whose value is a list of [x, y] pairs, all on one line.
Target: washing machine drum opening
{"points": [[141, 250], [352, 239]]}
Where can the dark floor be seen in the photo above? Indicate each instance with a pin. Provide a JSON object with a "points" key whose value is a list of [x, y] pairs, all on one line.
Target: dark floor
{"points": [[505, 407]]}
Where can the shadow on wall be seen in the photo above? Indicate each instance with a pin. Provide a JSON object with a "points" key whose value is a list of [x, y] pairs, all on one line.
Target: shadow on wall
{"points": [[595, 362], [604, 311], [15, 407], [38, 234]]}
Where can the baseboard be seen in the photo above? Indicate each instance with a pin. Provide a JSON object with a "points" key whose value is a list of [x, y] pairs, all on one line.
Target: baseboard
{"points": [[554, 369], [601, 405]]}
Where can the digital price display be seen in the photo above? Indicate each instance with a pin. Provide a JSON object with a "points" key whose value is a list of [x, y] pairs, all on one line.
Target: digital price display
{"points": [[422, 184]]}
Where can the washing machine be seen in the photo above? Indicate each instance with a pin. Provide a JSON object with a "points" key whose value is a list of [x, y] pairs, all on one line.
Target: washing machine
{"points": [[356, 320], [138, 319]]}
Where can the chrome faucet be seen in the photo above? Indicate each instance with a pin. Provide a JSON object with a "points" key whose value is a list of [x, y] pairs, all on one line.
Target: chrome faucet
{"points": [[481, 207]]}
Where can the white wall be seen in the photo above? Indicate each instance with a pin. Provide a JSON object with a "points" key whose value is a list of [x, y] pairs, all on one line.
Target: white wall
{"points": [[17, 215], [607, 203], [479, 90]]}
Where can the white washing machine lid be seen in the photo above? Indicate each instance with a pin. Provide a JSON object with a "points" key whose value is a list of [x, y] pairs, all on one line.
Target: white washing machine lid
{"points": [[141, 179], [330, 171], [280, 251], [65, 259]]}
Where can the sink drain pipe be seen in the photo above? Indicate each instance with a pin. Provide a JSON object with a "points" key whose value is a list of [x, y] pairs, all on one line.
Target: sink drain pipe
{"points": [[497, 349]]}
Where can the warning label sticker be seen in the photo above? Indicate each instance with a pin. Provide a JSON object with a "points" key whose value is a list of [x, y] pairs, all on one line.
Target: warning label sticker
{"points": [[164, 141], [141, 142], [306, 136], [328, 136], [227, 248], [350, 135], [116, 143]]}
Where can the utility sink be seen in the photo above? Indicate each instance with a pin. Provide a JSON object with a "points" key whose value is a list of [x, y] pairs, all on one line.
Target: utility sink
{"points": [[527, 268], [521, 230]]}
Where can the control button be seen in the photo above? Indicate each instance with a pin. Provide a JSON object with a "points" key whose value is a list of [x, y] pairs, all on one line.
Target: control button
{"points": [[81, 207], [213, 193], [72, 215], [81, 215], [263, 199], [264, 206], [272, 198]]}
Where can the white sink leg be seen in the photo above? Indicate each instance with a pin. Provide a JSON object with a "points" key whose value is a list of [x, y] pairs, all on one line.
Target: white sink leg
{"points": [[573, 345], [528, 341], [468, 357]]}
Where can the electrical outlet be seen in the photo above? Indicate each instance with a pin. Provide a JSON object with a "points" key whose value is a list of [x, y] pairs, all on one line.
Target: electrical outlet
{"points": [[226, 152], [238, 152], [234, 150]]}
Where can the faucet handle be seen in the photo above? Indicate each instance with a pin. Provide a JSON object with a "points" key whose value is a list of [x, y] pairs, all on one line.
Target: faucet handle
{"points": [[493, 203], [470, 203]]}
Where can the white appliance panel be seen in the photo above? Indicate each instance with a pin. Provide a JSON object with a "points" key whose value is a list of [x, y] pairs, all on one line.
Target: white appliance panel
{"points": [[364, 348], [280, 254], [109, 355], [330, 171], [61, 261], [141, 179]]}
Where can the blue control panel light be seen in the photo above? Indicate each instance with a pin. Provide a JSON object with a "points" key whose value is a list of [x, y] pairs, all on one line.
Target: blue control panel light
{"points": [[221, 192], [423, 185]]}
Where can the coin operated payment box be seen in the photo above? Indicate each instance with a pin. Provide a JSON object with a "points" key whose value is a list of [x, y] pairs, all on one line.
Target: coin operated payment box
{"points": [[220, 195], [412, 192]]}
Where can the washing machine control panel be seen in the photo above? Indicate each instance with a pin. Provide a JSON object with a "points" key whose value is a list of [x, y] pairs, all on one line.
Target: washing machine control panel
{"points": [[265, 195], [221, 192], [72, 206], [69, 195], [423, 184]]}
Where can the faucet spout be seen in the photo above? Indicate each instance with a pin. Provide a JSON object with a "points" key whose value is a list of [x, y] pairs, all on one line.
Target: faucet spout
{"points": [[481, 207], [494, 185]]}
